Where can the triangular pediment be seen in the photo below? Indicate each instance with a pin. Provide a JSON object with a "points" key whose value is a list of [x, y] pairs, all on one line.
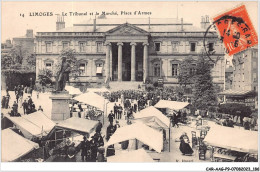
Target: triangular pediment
{"points": [[127, 29]]}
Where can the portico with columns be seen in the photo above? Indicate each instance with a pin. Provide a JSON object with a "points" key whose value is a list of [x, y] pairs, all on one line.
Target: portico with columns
{"points": [[126, 54]]}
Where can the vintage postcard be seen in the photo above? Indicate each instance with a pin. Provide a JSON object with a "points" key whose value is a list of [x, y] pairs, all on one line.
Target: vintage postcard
{"points": [[130, 82]]}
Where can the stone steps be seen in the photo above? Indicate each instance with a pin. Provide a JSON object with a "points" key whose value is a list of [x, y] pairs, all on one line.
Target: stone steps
{"points": [[124, 85]]}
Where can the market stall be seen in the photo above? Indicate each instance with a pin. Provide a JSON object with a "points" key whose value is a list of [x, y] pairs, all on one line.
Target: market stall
{"points": [[72, 90], [139, 155], [175, 105], [140, 132], [154, 118], [15, 146], [33, 125], [67, 132], [231, 140], [92, 99]]}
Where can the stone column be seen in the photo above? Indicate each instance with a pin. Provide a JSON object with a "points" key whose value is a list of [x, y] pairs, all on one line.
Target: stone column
{"points": [[120, 45], [133, 44], [108, 44], [111, 71], [145, 63]]}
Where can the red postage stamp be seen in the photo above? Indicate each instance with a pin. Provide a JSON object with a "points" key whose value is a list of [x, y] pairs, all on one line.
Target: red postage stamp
{"points": [[236, 30]]}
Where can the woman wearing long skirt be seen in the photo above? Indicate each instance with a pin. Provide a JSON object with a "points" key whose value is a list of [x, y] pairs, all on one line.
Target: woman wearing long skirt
{"points": [[184, 145]]}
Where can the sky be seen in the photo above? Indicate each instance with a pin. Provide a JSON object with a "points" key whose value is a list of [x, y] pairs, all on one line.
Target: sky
{"points": [[15, 15]]}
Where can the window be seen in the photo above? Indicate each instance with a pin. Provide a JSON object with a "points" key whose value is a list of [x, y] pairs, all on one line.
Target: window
{"points": [[175, 46], [192, 47], [99, 47], [157, 46], [48, 65], [48, 47], [211, 46], [65, 45], [82, 47], [156, 69], [82, 69], [99, 69], [174, 69]]}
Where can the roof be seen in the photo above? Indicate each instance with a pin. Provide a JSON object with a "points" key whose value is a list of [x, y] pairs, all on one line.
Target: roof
{"points": [[139, 131], [175, 105], [147, 115], [237, 92], [139, 155], [35, 124], [79, 125], [156, 25], [241, 140], [15, 146]]}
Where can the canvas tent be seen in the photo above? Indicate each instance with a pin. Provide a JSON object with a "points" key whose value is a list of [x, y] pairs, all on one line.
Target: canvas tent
{"points": [[72, 90], [33, 125], [141, 132], [153, 118], [15, 146], [92, 99], [233, 138], [139, 155], [79, 125], [175, 105]]}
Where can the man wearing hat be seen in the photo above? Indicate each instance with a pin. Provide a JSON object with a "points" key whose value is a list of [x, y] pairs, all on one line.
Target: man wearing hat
{"points": [[111, 117]]}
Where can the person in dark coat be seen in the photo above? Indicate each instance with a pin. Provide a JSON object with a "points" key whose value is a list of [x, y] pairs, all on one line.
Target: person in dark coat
{"points": [[119, 111], [30, 102], [71, 153], [83, 147], [111, 117], [25, 107], [15, 107], [110, 131], [3, 101], [115, 111], [17, 97], [99, 127], [7, 101], [184, 145], [93, 148]]}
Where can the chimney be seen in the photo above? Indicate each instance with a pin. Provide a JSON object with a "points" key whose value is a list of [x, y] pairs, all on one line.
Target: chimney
{"points": [[94, 24], [202, 23], [60, 24], [206, 22], [182, 24], [29, 33]]}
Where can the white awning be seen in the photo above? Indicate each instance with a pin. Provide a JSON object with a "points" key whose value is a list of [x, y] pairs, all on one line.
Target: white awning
{"points": [[233, 138], [151, 116], [80, 125], [141, 132], [72, 90], [92, 99], [139, 155], [171, 104], [15, 146], [35, 124], [99, 70]]}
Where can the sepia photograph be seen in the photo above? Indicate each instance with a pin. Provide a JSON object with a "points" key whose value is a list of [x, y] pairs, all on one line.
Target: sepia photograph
{"points": [[130, 82]]}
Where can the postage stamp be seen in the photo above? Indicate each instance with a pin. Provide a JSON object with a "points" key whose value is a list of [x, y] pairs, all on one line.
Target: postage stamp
{"points": [[236, 30]]}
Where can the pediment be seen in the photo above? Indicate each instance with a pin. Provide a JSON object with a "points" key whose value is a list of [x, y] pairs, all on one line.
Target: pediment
{"points": [[127, 29]]}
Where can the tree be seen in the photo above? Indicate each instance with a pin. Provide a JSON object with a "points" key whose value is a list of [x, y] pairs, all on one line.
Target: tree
{"points": [[204, 92], [186, 74], [70, 55], [44, 77]]}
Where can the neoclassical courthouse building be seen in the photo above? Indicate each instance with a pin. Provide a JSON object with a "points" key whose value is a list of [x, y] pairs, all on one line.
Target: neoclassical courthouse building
{"points": [[133, 49]]}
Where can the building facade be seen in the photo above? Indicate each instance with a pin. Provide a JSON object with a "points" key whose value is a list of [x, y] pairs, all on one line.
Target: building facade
{"points": [[245, 75], [130, 49]]}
